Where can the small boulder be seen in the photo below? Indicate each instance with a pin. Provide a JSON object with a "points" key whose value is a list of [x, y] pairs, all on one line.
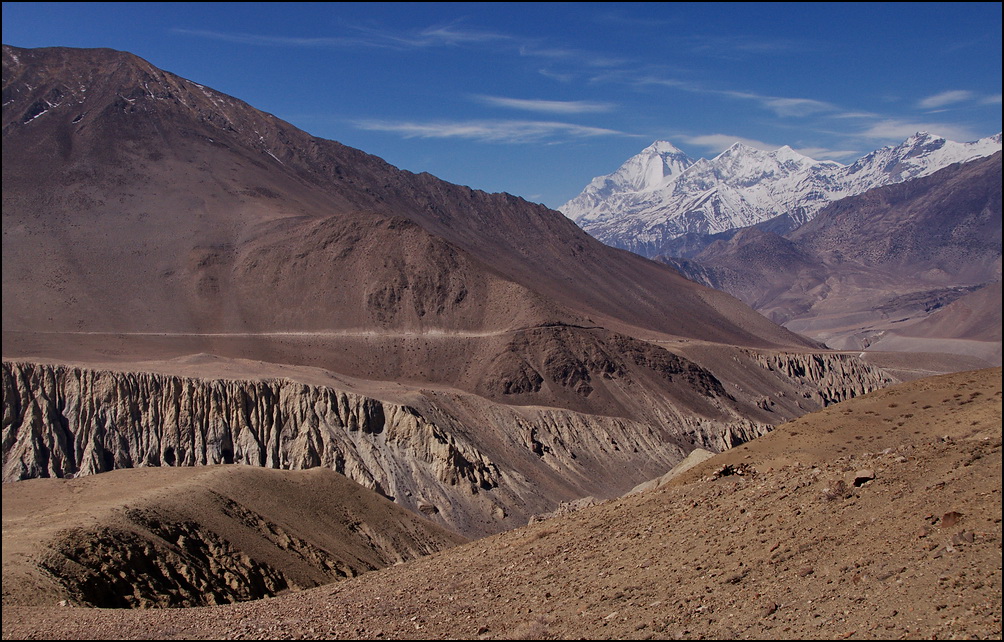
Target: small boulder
{"points": [[950, 519], [863, 476]]}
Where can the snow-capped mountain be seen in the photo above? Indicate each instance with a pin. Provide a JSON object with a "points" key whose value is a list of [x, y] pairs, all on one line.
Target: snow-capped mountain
{"points": [[661, 193], [920, 155], [656, 166]]}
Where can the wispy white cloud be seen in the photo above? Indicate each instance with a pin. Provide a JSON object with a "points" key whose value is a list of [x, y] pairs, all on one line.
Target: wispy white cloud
{"points": [[946, 98], [490, 131], [441, 36], [534, 49], [453, 35], [276, 41], [450, 35], [781, 105], [720, 142], [724, 46], [822, 153], [548, 106], [855, 114], [795, 106], [669, 82], [555, 75], [991, 100], [898, 130]]}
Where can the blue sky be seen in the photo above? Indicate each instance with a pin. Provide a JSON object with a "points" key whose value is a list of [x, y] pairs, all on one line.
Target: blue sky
{"points": [[536, 99]]}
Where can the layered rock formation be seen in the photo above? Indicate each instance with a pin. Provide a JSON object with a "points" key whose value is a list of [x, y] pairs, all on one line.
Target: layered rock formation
{"points": [[787, 546], [472, 465]]}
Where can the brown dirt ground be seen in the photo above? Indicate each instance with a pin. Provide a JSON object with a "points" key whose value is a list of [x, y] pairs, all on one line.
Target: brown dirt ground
{"points": [[311, 526], [790, 548]]}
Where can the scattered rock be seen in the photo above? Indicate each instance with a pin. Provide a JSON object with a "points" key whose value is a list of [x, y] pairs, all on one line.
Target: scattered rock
{"points": [[427, 508], [738, 469], [950, 519], [963, 537], [863, 476]]}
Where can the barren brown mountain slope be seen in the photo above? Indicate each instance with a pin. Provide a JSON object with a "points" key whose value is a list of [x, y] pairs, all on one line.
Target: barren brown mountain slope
{"points": [[474, 465], [867, 269], [470, 352], [179, 205], [876, 518], [971, 324]]}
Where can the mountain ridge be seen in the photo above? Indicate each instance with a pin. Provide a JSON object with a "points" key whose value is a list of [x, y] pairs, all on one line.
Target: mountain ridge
{"points": [[459, 215], [870, 267], [743, 186]]}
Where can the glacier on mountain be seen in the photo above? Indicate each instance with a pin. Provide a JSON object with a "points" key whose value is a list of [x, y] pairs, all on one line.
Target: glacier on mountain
{"points": [[661, 193]]}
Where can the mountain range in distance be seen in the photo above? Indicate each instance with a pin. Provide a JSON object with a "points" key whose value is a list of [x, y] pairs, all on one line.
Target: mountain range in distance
{"points": [[662, 194], [856, 256]]}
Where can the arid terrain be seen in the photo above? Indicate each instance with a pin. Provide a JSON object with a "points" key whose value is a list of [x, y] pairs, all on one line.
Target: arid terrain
{"points": [[478, 358], [879, 517], [259, 384], [184, 536]]}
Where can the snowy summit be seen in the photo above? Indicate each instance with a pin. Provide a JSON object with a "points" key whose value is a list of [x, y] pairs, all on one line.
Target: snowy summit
{"points": [[661, 193]]}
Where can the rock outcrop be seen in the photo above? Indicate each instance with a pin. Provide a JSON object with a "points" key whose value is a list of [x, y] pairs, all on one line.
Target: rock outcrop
{"points": [[831, 378], [471, 464], [66, 422]]}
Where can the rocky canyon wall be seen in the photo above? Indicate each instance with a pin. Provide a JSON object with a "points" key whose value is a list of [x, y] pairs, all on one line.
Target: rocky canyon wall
{"points": [[475, 466]]}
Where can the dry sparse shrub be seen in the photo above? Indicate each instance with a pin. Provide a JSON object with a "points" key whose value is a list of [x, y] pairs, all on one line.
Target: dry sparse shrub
{"points": [[836, 490], [542, 533], [537, 628]]}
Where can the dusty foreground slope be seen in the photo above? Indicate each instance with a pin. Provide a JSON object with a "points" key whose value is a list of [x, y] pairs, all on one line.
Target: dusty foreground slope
{"points": [[198, 536], [797, 542]]}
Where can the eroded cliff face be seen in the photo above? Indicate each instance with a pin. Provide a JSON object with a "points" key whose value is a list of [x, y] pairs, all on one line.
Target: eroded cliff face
{"points": [[199, 535], [825, 379], [472, 465], [65, 422]]}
